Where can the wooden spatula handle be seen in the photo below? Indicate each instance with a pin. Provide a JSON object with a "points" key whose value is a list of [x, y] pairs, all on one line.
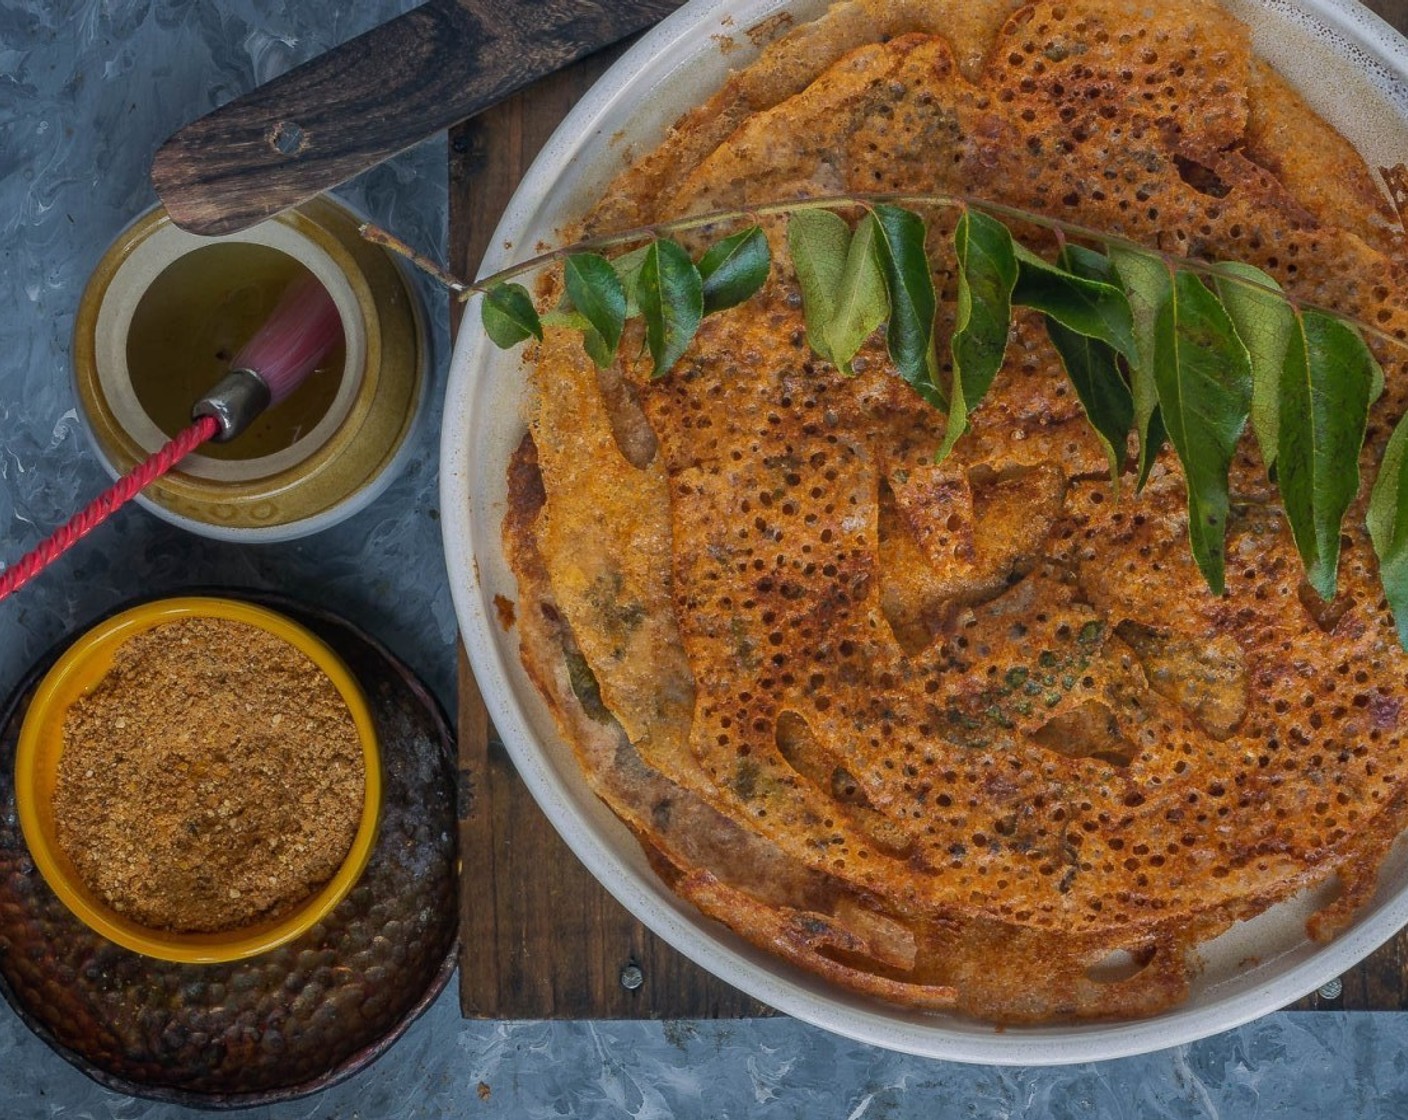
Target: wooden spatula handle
{"points": [[372, 97]]}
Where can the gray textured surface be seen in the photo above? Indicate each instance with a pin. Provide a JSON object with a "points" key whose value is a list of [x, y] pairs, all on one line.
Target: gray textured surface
{"points": [[87, 91], [1324, 1065]]}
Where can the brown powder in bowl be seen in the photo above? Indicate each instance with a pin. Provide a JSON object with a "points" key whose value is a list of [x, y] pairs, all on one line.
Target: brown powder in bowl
{"points": [[212, 779]]}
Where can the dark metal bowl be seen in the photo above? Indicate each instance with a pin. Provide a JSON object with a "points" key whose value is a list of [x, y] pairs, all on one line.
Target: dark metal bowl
{"points": [[285, 1023]]}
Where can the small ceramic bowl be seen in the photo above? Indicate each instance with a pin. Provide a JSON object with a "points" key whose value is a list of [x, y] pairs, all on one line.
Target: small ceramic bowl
{"points": [[356, 441], [40, 747]]}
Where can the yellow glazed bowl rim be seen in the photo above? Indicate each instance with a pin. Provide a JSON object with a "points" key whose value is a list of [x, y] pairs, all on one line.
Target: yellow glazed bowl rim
{"points": [[40, 746]]}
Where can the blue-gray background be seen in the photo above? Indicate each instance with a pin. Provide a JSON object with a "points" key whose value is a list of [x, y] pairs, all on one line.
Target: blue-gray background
{"points": [[88, 90]]}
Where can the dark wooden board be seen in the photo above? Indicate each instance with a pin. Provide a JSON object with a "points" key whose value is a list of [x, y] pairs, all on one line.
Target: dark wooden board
{"points": [[539, 938], [362, 102], [1394, 12]]}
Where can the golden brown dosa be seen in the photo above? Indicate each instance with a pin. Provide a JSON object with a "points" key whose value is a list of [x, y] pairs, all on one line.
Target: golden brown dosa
{"points": [[954, 735]]}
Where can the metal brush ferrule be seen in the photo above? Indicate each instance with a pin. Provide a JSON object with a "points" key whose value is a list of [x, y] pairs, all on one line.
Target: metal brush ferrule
{"points": [[236, 400]]}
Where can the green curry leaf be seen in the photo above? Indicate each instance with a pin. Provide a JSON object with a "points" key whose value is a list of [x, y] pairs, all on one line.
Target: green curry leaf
{"points": [[861, 302], [595, 290], [734, 269], [509, 316], [909, 281], [987, 273], [672, 302], [1204, 380], [1265, 323], [1092, 364], [818, 240], [1146, 281], [627, 267], [1087, 304], [1327, 377], [1388, 525]]}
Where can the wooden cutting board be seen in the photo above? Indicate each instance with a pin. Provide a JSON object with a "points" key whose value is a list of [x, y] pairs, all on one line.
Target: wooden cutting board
{"points": [[539, 938]]}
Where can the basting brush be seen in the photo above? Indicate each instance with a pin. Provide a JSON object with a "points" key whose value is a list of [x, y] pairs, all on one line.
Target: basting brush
{"points": [[304, 327]]}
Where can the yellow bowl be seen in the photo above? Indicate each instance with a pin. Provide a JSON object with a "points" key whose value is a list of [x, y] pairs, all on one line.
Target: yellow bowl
{"points": [[81, 667]]}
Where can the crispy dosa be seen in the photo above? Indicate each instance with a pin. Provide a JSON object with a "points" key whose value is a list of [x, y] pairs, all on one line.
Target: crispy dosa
{"points": [[970, 736]]}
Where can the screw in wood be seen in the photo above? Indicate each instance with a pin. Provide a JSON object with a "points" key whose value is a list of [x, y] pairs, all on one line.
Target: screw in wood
{"points": [[632, 977], [1333, 990]]}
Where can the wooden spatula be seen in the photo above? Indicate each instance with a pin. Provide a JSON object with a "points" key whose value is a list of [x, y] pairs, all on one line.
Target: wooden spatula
{"points": [[364, 101]]}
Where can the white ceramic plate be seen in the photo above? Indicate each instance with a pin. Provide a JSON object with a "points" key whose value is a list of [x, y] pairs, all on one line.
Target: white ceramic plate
{"points": [[1352, 67]]}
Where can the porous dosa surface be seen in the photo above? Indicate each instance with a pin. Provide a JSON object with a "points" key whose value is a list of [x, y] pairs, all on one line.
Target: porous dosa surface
{"points": [[973, 736]]}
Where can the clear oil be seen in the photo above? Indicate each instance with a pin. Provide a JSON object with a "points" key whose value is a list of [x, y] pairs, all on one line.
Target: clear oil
{"points": [[194, 318]]}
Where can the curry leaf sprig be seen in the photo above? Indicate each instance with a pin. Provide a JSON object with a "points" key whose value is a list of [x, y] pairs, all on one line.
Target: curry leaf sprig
{"points": [[657, 282], [1157, 349]]}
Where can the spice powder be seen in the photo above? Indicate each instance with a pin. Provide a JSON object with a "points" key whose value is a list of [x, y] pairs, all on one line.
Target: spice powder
{"points": [[212, 779]]}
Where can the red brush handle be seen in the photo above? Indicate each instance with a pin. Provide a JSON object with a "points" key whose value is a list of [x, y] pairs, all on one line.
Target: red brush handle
{"points": [[102, 507]]}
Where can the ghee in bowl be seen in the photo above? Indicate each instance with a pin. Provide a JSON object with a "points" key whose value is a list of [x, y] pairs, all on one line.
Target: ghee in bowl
{"points": [[166, 310], [198, 779]]}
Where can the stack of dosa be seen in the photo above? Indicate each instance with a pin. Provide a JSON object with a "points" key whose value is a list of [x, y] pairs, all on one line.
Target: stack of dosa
{"points": [[971, 736]]}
